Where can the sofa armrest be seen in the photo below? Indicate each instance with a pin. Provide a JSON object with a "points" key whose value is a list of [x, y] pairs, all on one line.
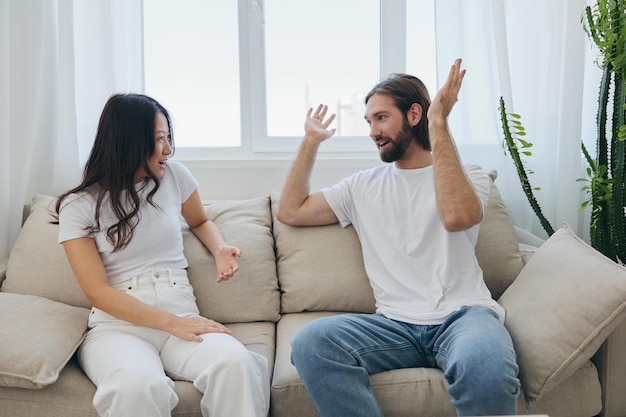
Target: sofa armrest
{"points": [[611, 363], [3, 269], [527, 240]]}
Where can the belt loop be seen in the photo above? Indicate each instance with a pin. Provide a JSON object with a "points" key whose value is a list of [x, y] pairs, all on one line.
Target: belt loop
{"points": [[171, 277], [133, 284]]}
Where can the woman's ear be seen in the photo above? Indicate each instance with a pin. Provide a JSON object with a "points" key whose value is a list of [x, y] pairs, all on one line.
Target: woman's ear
{"points": [[414, 115]]}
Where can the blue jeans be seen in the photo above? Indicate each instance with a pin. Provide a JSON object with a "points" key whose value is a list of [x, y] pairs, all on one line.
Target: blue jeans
{"points": [[335, 356]]}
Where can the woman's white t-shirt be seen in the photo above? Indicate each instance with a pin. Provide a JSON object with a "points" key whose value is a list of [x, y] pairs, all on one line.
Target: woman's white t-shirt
{"points": [[157, 242]]}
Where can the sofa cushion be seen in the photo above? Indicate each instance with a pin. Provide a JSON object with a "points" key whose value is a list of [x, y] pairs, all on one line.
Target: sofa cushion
{"points": [[497, 248], [321, 268], [418, 391], [39, 336], [252, 294], [415, 391], [37, 264], [560, 309]]}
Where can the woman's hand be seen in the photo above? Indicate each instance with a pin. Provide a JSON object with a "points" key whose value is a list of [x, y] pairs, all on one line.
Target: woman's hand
{"points": [[226, 261], [190, 328]]}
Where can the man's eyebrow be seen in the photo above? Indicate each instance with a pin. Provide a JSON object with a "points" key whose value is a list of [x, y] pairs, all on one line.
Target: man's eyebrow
{"points": [[376, 114]]}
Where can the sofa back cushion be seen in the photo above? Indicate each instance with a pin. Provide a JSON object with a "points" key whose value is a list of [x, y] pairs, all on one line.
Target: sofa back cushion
{"points": [[38, 266], [321, 268], [497, 248], [37, 263], [252, 294]]}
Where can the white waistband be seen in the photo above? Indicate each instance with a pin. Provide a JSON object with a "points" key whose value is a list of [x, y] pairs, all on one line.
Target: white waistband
{"points": [[155, 276]]}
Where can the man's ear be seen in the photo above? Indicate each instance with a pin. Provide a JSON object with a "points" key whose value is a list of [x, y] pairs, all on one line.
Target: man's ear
{"points": [[414, 115]]}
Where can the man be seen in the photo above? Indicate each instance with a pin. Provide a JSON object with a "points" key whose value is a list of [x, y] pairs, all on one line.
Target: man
{"points": [[417, 219]]}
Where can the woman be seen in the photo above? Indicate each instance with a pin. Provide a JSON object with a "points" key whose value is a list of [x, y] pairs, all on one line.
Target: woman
{"points": [[121, 232]]}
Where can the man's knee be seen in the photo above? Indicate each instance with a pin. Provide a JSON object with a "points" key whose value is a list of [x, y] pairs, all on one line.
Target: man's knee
{"points": [[307, 341]]}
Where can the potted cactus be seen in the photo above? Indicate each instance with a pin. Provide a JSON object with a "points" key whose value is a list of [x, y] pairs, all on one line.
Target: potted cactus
{"points": [[605, 24]]}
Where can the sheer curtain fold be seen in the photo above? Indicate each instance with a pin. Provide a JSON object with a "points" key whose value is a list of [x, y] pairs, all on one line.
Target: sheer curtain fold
{"points": [[61, 60], [539, 70]]}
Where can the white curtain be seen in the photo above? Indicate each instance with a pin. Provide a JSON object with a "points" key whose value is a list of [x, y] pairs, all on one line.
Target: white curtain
{"points": [[535, 54], [61, 59], [59, 62]]}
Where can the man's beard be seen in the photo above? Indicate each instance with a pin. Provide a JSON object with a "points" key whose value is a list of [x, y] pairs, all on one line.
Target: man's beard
{"points": [[398, 145]]}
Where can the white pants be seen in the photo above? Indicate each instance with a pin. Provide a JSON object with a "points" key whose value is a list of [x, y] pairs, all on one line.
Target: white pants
{"points": [[132, 365]]}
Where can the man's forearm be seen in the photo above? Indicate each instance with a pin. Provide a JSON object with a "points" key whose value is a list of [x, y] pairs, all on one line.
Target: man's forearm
{"points": [[458, 204], [297, 185]]}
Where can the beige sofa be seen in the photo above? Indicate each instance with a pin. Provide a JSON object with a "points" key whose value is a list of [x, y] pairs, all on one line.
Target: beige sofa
{"points": [[562, 303]]}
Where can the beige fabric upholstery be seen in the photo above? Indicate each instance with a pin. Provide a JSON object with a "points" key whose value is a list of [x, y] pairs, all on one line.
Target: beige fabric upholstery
{"points": [[252, 294], [401, 392], [3, 270], [37, 258], [247, 225], [321, 268], [560, 309], [611, 363], [497, 248], [72, 394], [38, 337]]}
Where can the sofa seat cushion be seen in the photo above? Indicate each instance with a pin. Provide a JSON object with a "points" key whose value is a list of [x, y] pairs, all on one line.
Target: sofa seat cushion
{"points": [[417, 391], [258, 337], [562, 306], [39, 336], [72, 394], [252, 294]]}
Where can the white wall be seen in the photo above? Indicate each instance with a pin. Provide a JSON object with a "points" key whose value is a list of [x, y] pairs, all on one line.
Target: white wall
{"points": [[240, 179]]}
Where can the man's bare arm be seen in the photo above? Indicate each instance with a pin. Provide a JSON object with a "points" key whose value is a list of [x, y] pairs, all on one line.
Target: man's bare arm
{"points": [[458, 204], [297, 206]]}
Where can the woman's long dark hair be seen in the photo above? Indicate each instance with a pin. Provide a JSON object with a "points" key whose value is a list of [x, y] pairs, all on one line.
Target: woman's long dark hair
{"points": [[124, 143], [407, 89]]}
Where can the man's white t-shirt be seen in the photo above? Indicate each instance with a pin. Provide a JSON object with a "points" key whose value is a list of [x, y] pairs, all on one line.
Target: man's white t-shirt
{"points": [[157, 242], [420, 272]]}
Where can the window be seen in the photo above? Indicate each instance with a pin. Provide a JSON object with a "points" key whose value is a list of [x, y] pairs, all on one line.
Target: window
{"points": [[239, 76], [192, 67]]}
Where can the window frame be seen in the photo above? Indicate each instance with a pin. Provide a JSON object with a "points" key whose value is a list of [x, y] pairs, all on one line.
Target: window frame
{"points": [[255, 142]]}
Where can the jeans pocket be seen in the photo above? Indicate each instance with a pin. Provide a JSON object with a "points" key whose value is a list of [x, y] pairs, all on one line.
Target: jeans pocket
{"points": [[177, 298], [98, 316]]}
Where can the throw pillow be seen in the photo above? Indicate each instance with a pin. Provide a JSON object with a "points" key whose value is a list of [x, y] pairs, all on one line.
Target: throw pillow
{"points": [[37, 264], [560, 309], [252, 294], [39, 336]]}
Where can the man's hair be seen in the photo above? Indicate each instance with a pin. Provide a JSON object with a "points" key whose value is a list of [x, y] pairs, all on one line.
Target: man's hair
{"points": [[406, 90]]}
